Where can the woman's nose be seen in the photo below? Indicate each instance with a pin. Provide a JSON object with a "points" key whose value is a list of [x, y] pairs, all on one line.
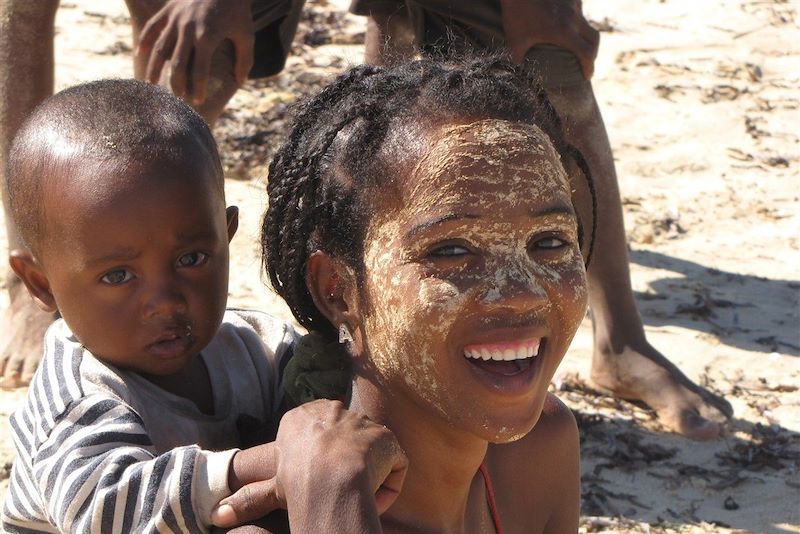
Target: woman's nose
{"points": [[517, 289]]}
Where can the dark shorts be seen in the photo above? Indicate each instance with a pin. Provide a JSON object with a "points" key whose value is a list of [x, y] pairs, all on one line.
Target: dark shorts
{"points": [[463, 26], [275, 23]]}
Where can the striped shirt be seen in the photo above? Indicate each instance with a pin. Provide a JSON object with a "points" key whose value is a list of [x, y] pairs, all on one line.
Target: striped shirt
{"points": [[100, 449]]}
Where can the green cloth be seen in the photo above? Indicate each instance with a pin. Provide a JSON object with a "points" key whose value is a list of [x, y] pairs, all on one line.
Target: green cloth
{"points": [[318, 369]]}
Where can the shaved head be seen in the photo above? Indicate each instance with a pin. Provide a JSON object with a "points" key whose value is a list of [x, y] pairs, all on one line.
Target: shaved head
{"points": [[82, 135]]}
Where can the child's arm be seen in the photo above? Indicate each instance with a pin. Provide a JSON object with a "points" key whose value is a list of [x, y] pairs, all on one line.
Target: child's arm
{"points": [[335, 471], [96, 471]]}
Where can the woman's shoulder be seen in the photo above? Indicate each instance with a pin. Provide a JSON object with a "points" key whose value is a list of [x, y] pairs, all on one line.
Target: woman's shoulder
{"points": [[538, 476], [555, 430], [556, 424]]}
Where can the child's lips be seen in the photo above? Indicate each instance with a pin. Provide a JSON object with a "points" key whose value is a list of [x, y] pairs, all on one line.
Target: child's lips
{"points": [[172, 343]]}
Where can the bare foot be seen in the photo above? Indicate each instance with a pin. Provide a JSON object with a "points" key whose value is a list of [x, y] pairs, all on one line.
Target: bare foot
{"points": [[644, 374], [21, 351]]}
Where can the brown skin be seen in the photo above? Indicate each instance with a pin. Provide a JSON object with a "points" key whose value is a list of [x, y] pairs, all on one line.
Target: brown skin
{"points": [[337, 470], [132, 267], [510, 270], [139, 268], [624, 362], [514, 272], [219, 43]]}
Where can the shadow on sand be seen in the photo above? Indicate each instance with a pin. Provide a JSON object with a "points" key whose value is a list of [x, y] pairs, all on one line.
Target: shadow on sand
{"points": [[749, 312], [635, 473]]}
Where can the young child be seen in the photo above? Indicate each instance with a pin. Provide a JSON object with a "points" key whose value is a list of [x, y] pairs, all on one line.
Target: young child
{"points": [[117, 189], [424, 214]]}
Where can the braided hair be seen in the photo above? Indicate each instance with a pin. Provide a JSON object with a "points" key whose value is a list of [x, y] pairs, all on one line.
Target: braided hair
{"points": [[319, 178]]}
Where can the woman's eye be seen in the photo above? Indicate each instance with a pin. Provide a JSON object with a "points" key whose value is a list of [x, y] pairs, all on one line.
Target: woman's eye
{"points": [[116, 277], [549, 243], [192, 259], [449, 251]]}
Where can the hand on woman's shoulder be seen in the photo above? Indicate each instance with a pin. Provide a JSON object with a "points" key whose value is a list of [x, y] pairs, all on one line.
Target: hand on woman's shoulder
{"points": [[538, 476]]}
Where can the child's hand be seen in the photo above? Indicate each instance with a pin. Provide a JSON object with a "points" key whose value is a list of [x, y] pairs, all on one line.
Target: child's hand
{"points": [[249, 503], [559, 22]]}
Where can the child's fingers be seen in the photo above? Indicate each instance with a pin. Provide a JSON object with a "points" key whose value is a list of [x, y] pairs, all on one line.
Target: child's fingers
{"points": [[251, 502], [389, 490]]}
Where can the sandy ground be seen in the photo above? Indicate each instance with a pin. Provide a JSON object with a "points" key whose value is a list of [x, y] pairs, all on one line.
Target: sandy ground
{"points": [[701, 104]]}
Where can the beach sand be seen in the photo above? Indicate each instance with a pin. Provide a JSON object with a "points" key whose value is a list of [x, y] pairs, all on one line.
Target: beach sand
{"points": [[701, 105]]}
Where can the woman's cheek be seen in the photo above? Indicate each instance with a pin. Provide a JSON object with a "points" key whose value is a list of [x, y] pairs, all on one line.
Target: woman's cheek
{"points": [[573, 287]]}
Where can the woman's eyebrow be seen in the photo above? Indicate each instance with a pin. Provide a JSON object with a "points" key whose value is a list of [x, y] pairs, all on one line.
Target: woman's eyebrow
{"points": [[555, 209], [549, 211], [425, 225]]}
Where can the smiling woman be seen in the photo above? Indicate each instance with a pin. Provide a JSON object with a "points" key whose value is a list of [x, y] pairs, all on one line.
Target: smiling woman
{"points": [[426, 211]]}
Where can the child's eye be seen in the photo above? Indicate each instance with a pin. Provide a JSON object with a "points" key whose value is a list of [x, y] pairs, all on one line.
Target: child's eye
{"points": [[448, 251], [192, 259], [117, 276]]}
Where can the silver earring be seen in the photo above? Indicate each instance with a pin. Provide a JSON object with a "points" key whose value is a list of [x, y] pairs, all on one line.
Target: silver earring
{"points": [[344, 334]]}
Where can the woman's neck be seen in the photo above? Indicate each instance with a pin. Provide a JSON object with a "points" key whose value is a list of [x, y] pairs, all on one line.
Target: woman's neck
{"points": [[443, 461]]}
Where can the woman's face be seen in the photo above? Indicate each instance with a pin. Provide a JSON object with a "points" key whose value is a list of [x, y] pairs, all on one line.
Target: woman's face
{"points": [[475, 283]]}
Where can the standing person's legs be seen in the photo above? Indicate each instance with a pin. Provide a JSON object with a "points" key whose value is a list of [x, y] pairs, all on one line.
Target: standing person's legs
{"points": [[27, 30], [623, 361]]}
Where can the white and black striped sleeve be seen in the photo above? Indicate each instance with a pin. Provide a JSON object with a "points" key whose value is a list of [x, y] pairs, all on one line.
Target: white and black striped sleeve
{"points": [[97, 473]]}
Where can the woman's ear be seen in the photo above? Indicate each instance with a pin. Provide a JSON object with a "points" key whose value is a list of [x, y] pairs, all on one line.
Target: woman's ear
{"points": [[330, 284], [32, 275]]}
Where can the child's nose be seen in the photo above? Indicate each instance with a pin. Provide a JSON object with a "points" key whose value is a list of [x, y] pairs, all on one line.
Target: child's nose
{"points": [[164, 299]]}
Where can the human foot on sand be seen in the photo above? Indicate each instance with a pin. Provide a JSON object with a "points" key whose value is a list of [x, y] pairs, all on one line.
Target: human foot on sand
{"points": [[639, 372], [20, 352]]}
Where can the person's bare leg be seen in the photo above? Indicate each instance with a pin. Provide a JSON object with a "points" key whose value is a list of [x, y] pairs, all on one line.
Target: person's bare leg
{"points": [[222, 83], [27, 31], [624, 362]]}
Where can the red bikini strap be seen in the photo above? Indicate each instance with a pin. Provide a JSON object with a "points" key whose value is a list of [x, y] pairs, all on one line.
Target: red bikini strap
{"points": [[490, 498]]}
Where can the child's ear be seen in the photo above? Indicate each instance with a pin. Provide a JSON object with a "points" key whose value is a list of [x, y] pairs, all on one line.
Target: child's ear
{"points": [[329, 283], [32, 275], [232, 215]]}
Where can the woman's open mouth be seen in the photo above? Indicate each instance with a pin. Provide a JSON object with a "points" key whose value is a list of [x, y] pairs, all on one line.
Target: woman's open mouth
{"points": [[505, 359]]}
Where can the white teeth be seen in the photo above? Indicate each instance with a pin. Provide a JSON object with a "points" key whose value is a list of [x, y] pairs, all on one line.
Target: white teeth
{"points": [[520, 353]]}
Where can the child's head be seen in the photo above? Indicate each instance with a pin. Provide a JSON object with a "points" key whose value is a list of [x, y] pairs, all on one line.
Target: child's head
{"points": [[427, 208], [116, 187]]}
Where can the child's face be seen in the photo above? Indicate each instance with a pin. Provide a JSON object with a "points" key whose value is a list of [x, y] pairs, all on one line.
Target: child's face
{"points": [[138, 264], [477, 258]]}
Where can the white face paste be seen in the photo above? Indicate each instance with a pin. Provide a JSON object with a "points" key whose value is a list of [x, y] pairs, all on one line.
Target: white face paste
{"points": [[493, 193]]}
